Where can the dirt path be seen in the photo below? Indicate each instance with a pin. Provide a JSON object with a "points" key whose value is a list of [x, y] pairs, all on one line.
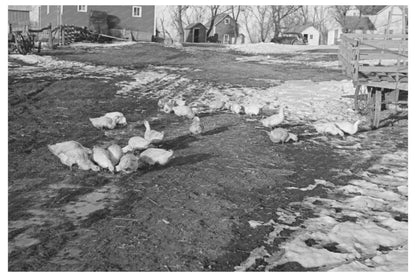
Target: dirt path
{"points": [[229, 200]]}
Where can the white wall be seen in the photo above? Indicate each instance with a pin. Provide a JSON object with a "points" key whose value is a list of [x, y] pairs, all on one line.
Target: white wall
{"points": [[380, 20], [315, 35]]}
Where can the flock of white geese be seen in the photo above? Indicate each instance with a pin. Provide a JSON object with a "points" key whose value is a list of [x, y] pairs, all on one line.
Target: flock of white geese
{"points": [[123, 159]]}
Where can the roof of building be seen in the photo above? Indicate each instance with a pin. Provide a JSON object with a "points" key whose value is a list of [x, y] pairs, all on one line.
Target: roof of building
{"points": [[217, 20], [299, 28], [358, 23], [20, 8], [370, 9], [193, 25]]}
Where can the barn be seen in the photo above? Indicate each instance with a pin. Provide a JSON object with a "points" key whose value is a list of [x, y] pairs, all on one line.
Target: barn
{"points": [[121, 20], [195, 32], [19, 17]]}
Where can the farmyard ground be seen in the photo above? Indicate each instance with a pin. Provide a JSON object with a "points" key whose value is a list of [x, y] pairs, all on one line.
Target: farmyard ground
{"points": [[230, 199]]}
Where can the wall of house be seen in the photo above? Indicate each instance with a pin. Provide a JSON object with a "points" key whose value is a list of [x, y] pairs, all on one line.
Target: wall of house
{"points": [[381, 20], [221, 29], [313, 35], [52, 17], [119, 18]]}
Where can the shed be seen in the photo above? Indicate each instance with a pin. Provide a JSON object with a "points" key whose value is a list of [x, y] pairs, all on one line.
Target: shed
{"points": [[310, 33], [196, 32], [19, 17]]}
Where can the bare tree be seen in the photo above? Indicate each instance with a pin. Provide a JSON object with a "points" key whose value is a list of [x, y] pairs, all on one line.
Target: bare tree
{"points": [[340, 15], [262, 14], [247, 14], [279, 13], [235, 13], [215, 9], [177, 15]]}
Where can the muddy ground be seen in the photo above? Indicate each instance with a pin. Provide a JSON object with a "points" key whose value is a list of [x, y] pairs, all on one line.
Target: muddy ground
{"points": [[189, 215]]}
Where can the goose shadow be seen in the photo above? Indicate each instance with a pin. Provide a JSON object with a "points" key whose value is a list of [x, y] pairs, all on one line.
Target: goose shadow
{"points": [[215, 131], [179, 161], [177, 143]]}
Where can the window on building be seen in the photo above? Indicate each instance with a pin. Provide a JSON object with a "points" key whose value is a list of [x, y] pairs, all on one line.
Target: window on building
{"points": [[137, 11], [82, 8], [47, 9], [227, 21], [310, 36]]}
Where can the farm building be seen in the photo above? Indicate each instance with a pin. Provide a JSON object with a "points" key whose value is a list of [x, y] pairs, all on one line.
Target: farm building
{"points": [[19, 17], [223, 26], [137, 20], [196, 32], [353, 24], [398, 20], [310, 33]]}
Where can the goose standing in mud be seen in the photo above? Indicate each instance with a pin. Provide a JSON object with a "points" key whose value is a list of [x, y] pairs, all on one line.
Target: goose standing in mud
{"points": [[274, 120], [347, 127], [136, 143], [72, 152], [196, 127], [151, 135], [102, 157], [115, 152], [281, 135]]}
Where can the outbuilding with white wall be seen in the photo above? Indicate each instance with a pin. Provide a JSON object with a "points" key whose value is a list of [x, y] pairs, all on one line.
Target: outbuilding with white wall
{"points": [[310, 33]]}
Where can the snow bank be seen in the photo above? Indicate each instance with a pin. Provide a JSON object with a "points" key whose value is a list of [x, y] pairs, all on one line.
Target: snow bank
{"points": [[104, 45], [275, 48]]}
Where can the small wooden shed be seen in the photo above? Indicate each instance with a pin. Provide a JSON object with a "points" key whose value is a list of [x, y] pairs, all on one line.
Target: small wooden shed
{"points": [[196, 32]]}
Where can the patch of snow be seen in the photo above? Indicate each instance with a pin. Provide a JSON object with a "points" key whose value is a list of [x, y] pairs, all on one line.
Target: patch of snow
{"points": [[257, 253], [103, 45], [275, 48]]}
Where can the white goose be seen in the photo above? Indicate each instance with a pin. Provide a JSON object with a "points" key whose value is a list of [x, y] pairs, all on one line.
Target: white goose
{"points": [[274, 120], [328, 128], [216, 105], [136, 143], [196, 127], [128, 163], [103, 122], [155, 155], [117, 117], [115, 152], [151, 135], [236, 108], [252, 109], [281, 135], [72, 152], [184, 111], [347, 127], [102, 158]]}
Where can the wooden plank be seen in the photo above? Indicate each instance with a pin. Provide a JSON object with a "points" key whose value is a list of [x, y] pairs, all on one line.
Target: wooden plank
{"points": [[367, 69], [373, 36], [378, 55], [389, 85], [377, 108], [386, 44]]}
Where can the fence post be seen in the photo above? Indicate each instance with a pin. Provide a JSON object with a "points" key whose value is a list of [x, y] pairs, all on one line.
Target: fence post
{"points": [[62, 35], [50, 42]]}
